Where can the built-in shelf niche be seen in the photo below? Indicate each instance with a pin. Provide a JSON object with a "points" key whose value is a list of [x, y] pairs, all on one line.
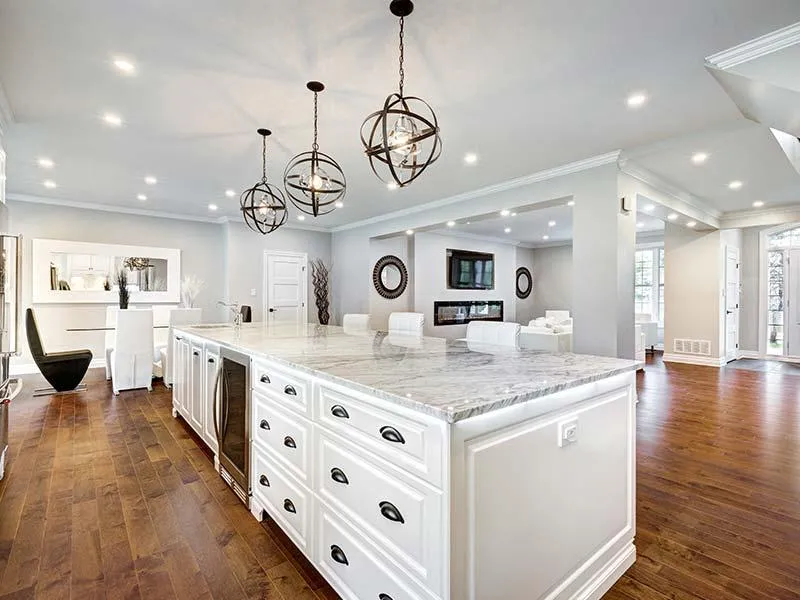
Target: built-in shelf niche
{"points": [[459, 312]]}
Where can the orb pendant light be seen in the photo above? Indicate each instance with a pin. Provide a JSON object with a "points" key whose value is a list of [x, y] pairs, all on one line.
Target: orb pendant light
{"points": [[402, 139], [314, 181], [263, 205]]}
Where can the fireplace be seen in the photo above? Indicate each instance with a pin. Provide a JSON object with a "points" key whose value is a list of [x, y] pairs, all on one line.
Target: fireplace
{"points": [[458, 312]]}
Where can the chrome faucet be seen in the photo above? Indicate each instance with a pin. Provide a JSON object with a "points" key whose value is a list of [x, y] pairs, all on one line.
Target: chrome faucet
{"points": [[236, 311]]}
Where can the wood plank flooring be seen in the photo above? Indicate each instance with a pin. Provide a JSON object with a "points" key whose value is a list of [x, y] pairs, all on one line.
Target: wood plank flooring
{"points": [[110, 497]]}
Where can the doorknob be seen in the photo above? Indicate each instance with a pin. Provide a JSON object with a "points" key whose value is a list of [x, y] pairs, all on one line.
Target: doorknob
{"points": [[273, 310]]}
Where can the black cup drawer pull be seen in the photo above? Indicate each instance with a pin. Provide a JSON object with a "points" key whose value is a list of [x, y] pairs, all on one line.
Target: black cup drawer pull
{"points": [[338, 476], [390, 511], [264, 424], [337, 410], [264, 379], [211, 360], [288, 506], [263, 481], [196, 353], [289, 442], [390, 434], [338, 555], [384, 597], [289, 390]]}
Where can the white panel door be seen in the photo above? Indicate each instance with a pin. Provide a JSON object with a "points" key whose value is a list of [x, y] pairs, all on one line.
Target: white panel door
{"points": [[731, 303], [791, 311], [285, 288]]}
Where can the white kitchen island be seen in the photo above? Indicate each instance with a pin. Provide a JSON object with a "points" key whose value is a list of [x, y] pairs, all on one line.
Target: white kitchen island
{"points": [[409, 468]]}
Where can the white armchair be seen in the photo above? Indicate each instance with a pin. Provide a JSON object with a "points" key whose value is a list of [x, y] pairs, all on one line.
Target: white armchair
{"points": [[162, 359], [406, 323], [132, 356], [545, 339], [355, 323], [558, 316], [649, 329], [499, 334]]}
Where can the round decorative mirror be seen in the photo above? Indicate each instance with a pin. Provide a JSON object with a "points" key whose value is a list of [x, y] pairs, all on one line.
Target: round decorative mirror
{"points": [[390, 277], [524, 282]]}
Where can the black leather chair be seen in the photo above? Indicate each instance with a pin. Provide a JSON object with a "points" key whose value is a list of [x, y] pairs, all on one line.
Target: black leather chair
{"points": [[62, 370], [247, 313]]}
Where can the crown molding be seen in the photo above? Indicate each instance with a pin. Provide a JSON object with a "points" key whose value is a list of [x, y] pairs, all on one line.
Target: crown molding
{"points": [[288, 225], [761, 46], [567, 169], [471, 236], [776, 215], [6, 114]]}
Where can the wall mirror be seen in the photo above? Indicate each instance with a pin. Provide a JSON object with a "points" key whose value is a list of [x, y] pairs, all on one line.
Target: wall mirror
{"points": [[390, 277], [81, 272], [524, 282]]}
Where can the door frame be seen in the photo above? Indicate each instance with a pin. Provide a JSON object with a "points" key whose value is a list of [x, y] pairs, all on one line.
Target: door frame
{"points": [[303, 256], [734, 354]]}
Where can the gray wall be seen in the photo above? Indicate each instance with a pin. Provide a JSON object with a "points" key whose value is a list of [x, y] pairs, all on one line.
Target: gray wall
{"points": [[552, 279]]}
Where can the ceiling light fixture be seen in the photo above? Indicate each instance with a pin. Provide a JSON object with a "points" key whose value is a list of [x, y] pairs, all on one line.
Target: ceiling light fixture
{"points": [[212, 207], [391, 186], [735, 184], [571, 203], [758, 204], [339, 204], [636, 100], [402, 139], [313, 180], [46, 163], [505, 212], [513, 214], [507, 229], [141, 197], [125, 66], [409, 232], [263, 205], [545, 237], [691, 224], [49, 184], [150, 180], [672, 216], [451, 223], [470, 158], [699, 158], [301, 217], [230, 193], [640, 224], [551, 223], [112, 119]]}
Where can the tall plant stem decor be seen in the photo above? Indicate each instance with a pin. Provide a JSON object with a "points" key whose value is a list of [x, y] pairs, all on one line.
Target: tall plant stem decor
{"points": [[122, 283], [319, 277]]}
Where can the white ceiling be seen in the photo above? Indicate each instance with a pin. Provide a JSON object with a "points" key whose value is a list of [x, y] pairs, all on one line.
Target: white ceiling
{"points": [[526, 84]]}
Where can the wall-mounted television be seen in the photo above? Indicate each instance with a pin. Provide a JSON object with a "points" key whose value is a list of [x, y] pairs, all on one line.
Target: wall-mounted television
{"points": [[470, 270]]}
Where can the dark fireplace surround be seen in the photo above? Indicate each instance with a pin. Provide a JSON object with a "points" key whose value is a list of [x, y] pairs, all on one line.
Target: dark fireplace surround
{"points": [[459, 312]]}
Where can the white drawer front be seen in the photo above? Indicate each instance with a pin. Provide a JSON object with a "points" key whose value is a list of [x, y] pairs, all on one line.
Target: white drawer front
{"points": [[414, 444], [403, 516], [287, 434], [286, 501], [355, 569], [292, 388]]}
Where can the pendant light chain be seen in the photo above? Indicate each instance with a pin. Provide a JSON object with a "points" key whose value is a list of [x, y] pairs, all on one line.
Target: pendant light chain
{"points": [[263, 158], [315, 146], [402, 56]]}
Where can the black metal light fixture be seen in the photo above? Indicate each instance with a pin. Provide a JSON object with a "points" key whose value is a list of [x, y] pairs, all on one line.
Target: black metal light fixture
{"points": [[402, 139], [314, 181], [263, 205]]}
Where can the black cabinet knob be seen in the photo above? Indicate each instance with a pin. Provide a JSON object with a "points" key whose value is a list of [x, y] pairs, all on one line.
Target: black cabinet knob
{"points": [[289, 390], [211, 360], [390, 434], [384, 597], [263, 481], [338, 555], [288, 506], [389, 511], [289, 442], [179, 338], [196, 353], [338, 476], [264, 424], [264, 379], [337, 410]]}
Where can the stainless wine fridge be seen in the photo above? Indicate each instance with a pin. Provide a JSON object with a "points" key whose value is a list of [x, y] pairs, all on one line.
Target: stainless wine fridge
{"points": [[10, 290], [232, 421]]}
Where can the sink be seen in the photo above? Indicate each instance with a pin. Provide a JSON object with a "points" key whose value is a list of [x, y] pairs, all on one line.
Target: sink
{"points": [[212, 326]]}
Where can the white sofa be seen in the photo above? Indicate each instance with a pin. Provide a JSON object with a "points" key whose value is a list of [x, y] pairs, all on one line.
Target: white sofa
{"points": [[499, 334], [649, 329]]}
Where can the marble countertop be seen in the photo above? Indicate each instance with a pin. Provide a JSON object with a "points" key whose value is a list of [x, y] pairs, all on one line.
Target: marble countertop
{"points": [[448, 379]]}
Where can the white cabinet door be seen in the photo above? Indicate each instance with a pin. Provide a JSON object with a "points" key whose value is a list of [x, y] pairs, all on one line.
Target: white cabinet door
{"points": [[180, 373], [210, 405], [195, 387]]}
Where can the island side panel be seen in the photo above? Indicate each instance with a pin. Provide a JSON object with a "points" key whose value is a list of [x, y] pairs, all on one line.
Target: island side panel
{"points": [[538, 517]]}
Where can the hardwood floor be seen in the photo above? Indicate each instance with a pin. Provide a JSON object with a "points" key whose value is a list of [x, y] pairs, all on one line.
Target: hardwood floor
{"points": [[110, 497]]}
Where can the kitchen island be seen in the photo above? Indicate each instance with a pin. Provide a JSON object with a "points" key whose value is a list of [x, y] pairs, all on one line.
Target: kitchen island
{"points": [[423, 468]]}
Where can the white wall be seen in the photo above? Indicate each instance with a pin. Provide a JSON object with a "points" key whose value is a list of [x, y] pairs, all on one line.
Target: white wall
{"points": [[380, 308], [430, 274], [526, 308], [552, 279]]}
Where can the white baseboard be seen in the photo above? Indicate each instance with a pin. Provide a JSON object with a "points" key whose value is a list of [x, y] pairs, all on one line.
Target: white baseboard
{"points": [[691, 359], [776, 357], [749, 354], [608, 575], [32, 369]]}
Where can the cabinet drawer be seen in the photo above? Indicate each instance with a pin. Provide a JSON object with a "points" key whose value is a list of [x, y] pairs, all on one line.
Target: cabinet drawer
{"points": [[286, 501], [293, 390], [412, 442], [403, 515], [356, 570], [286, 434]]}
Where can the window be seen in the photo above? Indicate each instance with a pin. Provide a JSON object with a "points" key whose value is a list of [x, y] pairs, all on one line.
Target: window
{"points": [[648, 281], [775, 298]]}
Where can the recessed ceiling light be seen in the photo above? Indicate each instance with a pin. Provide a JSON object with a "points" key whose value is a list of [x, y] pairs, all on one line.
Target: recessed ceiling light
{"points": [[640, 224], [49, 184], [672, 216], [507, 229], [735, 184], [571, 203], [212, 207], [409, 232], [141, 197], [46, 163], [470, 158], [469, 222], [339, 204], [551, 223], [513, 214], [112, 119], [649, 208], [230, 193], [150, 180], [451, 223], [699, 158], [758, 204], [125, 66], [505, 212], [391, 185], [301, 217], [691, 224], [545, 237], [636, 100]]}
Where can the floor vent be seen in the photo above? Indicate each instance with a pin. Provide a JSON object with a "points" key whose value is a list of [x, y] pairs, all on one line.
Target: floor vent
{"points": [[701, 347]]}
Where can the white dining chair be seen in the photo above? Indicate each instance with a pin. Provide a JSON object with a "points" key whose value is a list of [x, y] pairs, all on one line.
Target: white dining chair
{"points": [[162, 360], [132, 356], [489, 332], [355, 323], [406, 323]]}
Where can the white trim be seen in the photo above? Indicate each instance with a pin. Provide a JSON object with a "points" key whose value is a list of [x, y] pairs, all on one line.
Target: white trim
{"points": [[265, 287], [775, 215], [691, 359], [761, 46], [751, 354], [596, 587], [225, 219], [6, 114], [32, 369], [567, 169]]}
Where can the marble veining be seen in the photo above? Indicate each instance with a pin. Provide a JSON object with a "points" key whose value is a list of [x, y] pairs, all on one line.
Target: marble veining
{"points": [[448, 379]]}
